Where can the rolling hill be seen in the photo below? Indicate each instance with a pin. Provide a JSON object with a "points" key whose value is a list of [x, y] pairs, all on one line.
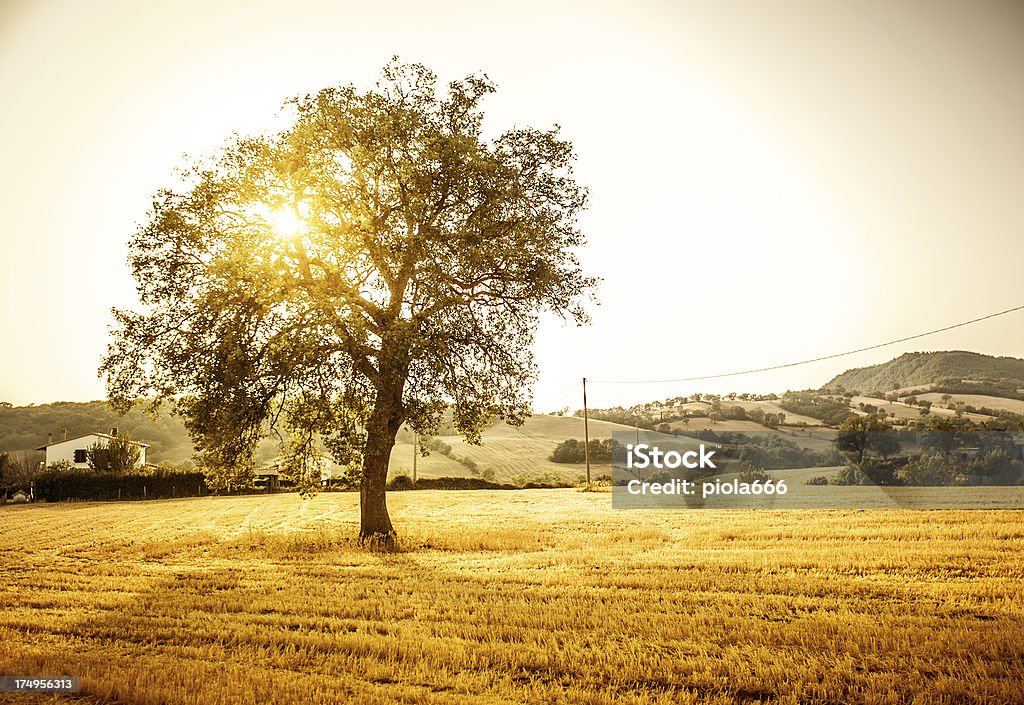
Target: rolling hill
{"points": [[927, 369]]}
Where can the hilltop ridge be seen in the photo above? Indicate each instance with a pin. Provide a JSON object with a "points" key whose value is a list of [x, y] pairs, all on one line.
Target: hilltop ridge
{"points": [[921, 369]]}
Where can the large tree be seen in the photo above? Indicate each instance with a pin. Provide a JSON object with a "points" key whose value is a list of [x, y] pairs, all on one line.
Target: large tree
{"points": [[374, 264]]}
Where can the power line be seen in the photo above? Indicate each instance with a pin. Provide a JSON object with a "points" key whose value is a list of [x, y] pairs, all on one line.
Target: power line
{"points": [[559, 395], [807, 362]]}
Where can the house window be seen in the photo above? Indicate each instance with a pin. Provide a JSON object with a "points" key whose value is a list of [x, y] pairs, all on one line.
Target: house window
{"points": [[80, 456]]}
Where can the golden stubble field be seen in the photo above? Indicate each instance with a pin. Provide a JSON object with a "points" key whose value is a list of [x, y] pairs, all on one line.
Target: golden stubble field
{"points": [[543, 596]]}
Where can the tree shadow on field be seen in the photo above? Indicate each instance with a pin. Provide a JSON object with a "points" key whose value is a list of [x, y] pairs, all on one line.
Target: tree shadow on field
{"points": [[264, 617]]}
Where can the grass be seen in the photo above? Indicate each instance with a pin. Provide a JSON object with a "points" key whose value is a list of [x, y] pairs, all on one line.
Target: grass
{"points": [[904, 411], [976, 400], [518, 597], [701, 423]]}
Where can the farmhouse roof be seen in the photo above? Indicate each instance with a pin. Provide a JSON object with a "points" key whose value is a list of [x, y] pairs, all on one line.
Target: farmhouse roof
{"points": [[86, 435]]}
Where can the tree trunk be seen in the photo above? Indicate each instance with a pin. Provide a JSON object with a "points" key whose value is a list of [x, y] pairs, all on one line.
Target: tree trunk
{"points": [[374, 521], [384, 422]]}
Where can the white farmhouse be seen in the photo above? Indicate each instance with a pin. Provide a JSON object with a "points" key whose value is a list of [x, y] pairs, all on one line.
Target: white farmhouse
{"points": [[75, 450]]}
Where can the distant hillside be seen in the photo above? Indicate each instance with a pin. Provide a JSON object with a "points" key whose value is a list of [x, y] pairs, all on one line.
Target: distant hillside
{"points": [[25, 427], [507, 452], [936, 368]]}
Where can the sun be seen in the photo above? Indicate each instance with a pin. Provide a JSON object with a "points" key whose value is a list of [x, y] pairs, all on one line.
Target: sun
{"points": [[285, 222]]}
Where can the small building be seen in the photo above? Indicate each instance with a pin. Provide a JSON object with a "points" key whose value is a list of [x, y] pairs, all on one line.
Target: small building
{"points": [[274, 477], [75, 450], [267, 478]]}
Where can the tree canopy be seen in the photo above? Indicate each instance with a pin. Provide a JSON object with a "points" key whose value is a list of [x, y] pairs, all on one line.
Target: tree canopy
{"points": [[373, 264], [858, 435]]}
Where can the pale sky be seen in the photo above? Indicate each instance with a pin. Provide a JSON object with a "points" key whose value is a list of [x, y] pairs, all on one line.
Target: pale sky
{"points": [[770, 181]]}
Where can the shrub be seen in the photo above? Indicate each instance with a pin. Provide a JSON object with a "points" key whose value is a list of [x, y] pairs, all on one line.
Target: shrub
{"points": [[927, 470], [572, 451], [876, 471], [849, 475], [400, 483], [568, 451], [752, 475]]}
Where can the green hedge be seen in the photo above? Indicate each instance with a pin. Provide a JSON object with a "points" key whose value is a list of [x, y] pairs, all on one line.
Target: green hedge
{"points": [[404, 482], [59, 485]]}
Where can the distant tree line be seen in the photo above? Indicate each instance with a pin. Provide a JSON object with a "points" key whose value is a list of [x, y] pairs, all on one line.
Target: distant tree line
{"points": [[633, 416], [734, 412], [828, 410], [656, 415], [949, 451]]}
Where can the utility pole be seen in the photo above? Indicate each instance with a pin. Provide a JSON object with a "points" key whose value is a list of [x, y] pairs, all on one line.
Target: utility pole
{"points": [[415, 452], [637, 421], [586, 431]]}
